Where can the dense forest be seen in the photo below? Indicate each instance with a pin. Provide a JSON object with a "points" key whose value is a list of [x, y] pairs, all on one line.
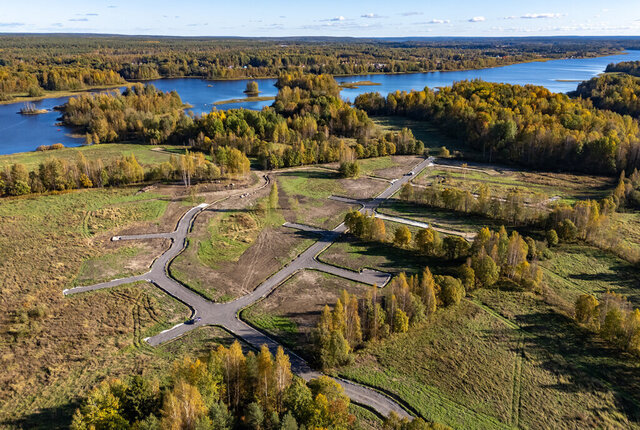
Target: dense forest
{"points": [[308, 123], [528, 125], [616, 92], [628, 67], [31, 64]]}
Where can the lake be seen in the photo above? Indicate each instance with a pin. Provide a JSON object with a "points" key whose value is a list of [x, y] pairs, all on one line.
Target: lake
{"points": [[20, 133]]}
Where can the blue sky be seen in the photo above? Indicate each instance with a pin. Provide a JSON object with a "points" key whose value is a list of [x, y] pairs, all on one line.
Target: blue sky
{"points": [[327, 18]]}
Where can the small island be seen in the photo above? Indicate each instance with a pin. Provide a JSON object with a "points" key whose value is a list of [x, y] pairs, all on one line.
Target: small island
{"points": [[30, 109], [244, 100], [252, 89], [358, 84]]}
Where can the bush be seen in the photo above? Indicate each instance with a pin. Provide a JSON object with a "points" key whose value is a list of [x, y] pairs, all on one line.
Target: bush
{"points": [[35, 91], [451, 290], [349, 169]]}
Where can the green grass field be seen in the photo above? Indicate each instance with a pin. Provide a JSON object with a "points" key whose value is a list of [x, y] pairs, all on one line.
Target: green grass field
{"points": [[232, 233], [456, 369], [369, 166], [580, 269], [107, 152], [468, 223], [536, 186], [316, 184], [304, 197]]}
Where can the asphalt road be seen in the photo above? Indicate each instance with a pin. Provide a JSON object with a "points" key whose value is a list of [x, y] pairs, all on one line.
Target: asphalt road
{"points": [[227, 314]]}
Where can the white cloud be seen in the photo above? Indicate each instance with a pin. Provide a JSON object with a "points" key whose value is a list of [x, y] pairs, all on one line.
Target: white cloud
{"points": [[541, 15], [370, 16], [411, 13], [439, 21], [338, 18], [11, 24], [477, 19], [78, 20]]}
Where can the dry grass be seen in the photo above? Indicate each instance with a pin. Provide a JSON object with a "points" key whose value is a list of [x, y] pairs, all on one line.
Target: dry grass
{"points": [[52, 348]]}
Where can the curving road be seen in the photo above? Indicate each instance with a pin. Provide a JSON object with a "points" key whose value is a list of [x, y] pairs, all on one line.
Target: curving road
{"points": [[226, 315]]}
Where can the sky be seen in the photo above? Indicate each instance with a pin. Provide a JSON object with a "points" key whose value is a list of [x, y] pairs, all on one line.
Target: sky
{"points": [[275, 18]]}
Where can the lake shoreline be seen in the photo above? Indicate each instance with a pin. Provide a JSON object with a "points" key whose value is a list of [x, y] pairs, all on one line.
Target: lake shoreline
{"points": [[70, 93]]}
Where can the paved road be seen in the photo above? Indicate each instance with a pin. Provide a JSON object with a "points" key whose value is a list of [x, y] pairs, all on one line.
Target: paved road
{"points": [[227, 314]]}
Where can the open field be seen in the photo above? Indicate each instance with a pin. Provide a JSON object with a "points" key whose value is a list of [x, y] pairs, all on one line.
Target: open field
{"points": [[581, 269], [441, 218], [564, 365], [456, 369], [233, 248], [356, 255], [389, 167], [536, 186], [107, 152], [53, 348], [627, 225], [291, 311], [304, 195], [433, 138]]}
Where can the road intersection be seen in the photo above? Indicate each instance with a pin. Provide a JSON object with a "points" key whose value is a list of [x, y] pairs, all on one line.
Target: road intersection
{"points": [[226, 315]]}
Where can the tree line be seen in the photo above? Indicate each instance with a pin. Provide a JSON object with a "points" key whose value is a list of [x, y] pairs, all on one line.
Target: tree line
{"points": [[586, 220], [227, 389], [628, 67], [32, 63], [54, 174], [612, 317], [528, 125], [495, 257]]}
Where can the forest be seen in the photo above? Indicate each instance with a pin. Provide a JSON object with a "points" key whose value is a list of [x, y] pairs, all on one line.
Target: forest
{"points": [[527, 125], [617, 92], [629, 67], [31, 64], [228, 389], [308, 123]]}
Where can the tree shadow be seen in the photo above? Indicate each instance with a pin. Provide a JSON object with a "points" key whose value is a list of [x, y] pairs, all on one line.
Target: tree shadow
{"points": [[311, 174], [399, 259], [563, 348], [45, 418]]}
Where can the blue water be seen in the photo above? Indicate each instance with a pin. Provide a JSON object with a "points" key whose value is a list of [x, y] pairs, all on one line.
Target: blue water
{"points": [[25, 133]]}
